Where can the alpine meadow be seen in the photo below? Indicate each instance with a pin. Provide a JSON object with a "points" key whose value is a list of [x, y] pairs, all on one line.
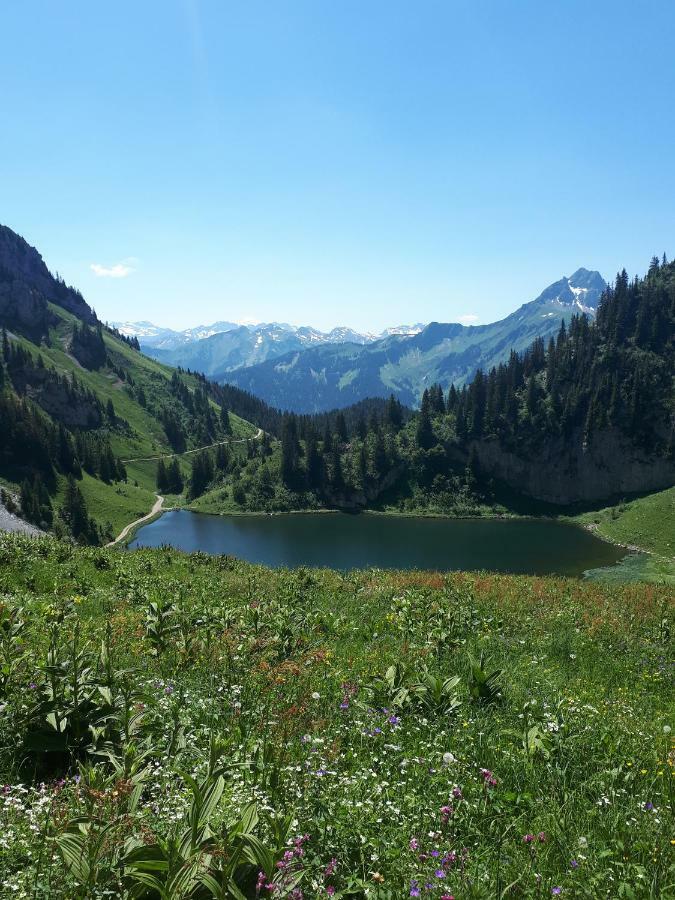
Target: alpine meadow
{"points": [[365, 586]]}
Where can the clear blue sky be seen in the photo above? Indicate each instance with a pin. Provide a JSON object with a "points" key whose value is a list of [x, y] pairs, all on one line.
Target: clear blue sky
{"points": [[361, 163]]}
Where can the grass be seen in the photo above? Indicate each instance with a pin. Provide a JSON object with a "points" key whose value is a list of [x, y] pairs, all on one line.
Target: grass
{"points": [[191, 726], [142, 435], [643, 522], [647, 523], [116, 504]]}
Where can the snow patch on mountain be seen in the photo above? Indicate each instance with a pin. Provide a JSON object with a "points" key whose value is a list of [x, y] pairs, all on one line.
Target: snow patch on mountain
{"points": [[168, 339]]}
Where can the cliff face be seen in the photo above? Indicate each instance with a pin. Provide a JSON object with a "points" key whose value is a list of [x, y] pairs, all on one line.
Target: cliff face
{"points": [[56, 396], [27, 285], [572, 472], [23, 308]]}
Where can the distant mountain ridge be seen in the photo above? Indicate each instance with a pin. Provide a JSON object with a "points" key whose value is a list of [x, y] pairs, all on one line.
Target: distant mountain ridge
{"points": [[330, 376], [226, 346], [152, 335]]}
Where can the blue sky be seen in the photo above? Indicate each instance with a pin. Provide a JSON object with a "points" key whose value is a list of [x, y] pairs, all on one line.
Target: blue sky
{"points": [[361, 163]]}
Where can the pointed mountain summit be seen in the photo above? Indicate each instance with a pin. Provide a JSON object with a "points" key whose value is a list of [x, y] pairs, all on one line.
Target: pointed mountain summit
{"points": [[582, 290]]}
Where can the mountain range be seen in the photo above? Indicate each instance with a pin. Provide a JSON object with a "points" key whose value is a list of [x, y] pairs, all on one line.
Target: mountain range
{"points": [[327, 376], [268, 339], [86, 416], [307, 370]]}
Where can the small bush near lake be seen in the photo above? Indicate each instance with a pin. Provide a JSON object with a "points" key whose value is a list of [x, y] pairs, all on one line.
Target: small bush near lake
{"points": [[177, 726]]}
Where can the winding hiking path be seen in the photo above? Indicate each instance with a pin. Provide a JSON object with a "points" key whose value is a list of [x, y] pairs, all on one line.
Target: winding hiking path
{"points": [[157, 507], [256, 437]]}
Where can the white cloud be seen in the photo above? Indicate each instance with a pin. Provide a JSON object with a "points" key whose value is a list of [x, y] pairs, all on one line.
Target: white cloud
{"points": [[119, 270], [468, 319]]}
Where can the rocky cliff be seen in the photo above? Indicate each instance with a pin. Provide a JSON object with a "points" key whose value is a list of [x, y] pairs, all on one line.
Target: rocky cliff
{"points": [[27, 286], [567, 472]]}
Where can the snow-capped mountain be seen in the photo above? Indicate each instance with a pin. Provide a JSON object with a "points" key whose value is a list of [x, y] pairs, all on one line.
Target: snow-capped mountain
{"points": [[324, 377], [225, 346], [151, 335]]}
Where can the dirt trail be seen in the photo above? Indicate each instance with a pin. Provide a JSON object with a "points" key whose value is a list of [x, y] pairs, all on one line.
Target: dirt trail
{"points": [[157, 507], [257, 437]]}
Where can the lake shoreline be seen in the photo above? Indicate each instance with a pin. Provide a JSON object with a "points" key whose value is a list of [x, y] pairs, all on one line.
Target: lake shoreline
{"points": [[510, 544], [594, 529], [590, 527]]}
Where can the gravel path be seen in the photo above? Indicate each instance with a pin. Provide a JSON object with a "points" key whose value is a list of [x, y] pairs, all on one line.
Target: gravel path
{"points": [[127, 528], [257, 437]]}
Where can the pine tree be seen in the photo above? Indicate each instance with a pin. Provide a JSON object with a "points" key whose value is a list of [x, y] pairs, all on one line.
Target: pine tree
{"points": [[290, 451], [225, 423], [424, 431], [394, 413], [74, 514], [202, 473], [313, 460], [174, 477], [162, 478], [337, 477], [341, 428], [222, 457]]}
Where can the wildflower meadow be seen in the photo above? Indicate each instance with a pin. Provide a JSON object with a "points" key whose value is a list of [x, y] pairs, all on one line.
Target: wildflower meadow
{"points": [[185, 726]]}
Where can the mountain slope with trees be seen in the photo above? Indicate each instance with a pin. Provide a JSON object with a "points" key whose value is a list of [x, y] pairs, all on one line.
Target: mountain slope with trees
{"points": [[92, 427], [581, 418], [78, 399], [327, 376]]}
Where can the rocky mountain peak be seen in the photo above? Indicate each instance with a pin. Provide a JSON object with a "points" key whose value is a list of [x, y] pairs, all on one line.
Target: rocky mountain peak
{"points": [[582, 290], [27, 285]]}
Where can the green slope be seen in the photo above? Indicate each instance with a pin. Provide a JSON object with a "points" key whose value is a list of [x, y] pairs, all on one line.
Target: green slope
{"points": [[646, 523], [139, 432], [381, 719]]}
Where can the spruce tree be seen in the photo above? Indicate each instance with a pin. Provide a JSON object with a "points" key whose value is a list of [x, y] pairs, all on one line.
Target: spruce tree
{"points": [[174, 477], [225, 423], [162, 479]]}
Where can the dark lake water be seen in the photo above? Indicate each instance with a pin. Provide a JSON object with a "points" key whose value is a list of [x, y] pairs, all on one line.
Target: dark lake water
{"points": [[340, 541]]}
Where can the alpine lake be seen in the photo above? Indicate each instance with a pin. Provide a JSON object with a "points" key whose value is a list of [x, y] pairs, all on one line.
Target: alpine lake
{"points": [[344, 541]]}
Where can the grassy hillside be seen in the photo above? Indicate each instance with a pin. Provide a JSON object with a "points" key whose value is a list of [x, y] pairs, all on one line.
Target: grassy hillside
{"points": [[138, 430], [170, 718], [646, 522]]}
